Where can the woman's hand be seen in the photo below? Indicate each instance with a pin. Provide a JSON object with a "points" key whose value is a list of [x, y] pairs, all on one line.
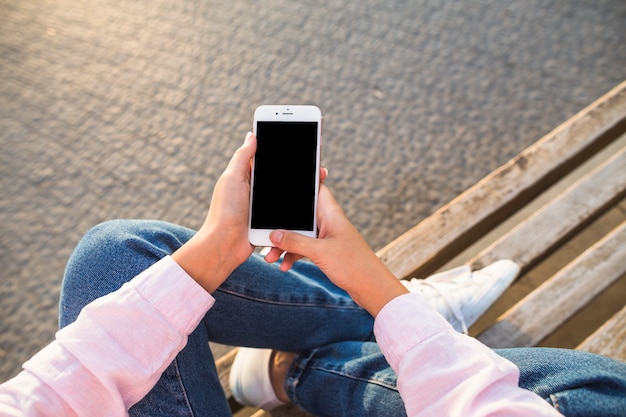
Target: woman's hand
{"points": [[342, 253], [221, 244]]}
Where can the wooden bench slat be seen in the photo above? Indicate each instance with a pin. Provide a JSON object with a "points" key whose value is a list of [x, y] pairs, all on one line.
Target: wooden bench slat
{"points": [[609, 339], [223, 365], [584, 201], [552, 303], [428, 245]]}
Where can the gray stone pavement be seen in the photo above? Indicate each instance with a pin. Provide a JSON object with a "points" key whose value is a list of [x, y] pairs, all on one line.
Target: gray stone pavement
{"points": [[131, 109]]}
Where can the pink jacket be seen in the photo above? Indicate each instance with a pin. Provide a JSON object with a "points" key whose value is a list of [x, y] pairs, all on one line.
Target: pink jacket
{"points": [[102, 364]]}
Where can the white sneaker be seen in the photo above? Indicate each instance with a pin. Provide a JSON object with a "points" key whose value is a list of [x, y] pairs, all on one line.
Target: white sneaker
{"points": [[462, 296], [250, 379]]}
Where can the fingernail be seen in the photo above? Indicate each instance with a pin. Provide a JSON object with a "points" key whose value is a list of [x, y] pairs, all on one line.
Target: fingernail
{"points": [[248, 137], [276, 236]]}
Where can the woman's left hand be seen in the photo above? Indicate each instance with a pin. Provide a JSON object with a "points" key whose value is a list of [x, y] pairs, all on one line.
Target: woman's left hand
{"points": [[221, 244]]}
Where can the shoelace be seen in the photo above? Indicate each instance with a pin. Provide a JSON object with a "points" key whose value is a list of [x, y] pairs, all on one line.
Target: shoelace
{"points": [[456, 312]]}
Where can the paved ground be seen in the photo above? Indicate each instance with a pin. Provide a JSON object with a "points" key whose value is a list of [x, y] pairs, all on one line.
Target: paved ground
{"points": [[118, 109]]}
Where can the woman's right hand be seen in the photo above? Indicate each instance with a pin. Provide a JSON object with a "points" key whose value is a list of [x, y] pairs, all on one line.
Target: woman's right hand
{"points": [[342, 254]]}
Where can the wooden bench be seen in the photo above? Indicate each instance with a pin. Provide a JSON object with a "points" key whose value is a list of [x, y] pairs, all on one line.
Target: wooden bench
{"points": [[559, 210]]}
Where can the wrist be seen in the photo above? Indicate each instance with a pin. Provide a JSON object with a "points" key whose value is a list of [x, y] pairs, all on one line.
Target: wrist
{"points": [[205, 260], [376, 289], [380, 294]]}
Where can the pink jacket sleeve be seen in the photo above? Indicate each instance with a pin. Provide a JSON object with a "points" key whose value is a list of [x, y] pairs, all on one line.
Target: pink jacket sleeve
{"points": [[445, 373], [116, 350]]}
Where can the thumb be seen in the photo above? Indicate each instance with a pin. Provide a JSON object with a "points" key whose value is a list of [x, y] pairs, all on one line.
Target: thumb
{"points": [[293, 242]]}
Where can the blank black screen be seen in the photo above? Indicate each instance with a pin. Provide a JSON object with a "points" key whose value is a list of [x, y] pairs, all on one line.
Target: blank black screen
{"points": [[283, 196]]}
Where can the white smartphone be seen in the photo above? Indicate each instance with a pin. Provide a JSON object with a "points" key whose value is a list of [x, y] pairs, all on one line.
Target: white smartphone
{"points": [[285, 171]]}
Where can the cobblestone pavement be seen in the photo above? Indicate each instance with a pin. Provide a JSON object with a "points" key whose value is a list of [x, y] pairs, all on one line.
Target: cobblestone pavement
{"points": [[131, 109]]}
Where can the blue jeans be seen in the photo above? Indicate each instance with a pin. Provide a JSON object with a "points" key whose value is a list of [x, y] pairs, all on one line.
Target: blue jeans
{"points": [[339, 369]]}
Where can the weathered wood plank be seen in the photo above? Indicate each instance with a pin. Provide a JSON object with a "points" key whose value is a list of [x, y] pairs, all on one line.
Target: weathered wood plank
{"points": [[572, 210], [223, 366], [447, 232], [610, 339], [552, 303]]}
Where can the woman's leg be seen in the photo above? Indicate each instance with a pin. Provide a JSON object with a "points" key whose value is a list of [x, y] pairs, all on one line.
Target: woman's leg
{"points": [[257, 306], [353, 378], [344, 379], [576, 383], [261, 306], [111, 254]]}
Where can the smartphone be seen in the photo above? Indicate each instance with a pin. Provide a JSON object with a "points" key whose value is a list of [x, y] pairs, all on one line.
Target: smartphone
{"points": [[285, 171]]}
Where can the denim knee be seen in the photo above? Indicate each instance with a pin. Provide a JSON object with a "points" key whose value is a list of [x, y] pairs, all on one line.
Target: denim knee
{"points": [[576, 383], [111, 254]]}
